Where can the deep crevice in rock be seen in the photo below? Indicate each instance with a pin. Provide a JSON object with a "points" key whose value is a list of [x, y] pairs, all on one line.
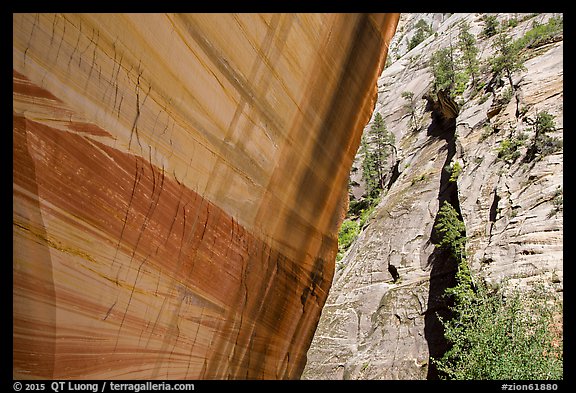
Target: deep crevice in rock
{"points": [[443, 265]]}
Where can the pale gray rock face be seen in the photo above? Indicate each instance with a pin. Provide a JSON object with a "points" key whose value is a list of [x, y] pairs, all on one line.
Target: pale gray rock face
{"points": [[523, 236], [375, 327]]}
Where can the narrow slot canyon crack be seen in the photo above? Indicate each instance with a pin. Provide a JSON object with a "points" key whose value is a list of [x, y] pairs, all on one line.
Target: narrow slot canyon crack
{"points": [[443, 266]]}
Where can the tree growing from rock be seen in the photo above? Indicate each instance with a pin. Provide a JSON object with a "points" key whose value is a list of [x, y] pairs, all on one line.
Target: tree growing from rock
{"points": [[507, 59], [543, 144], [415, 122], [447, 74], [490, 25], [497, 337], [423, 31], [376, 147], [451, 231], [467, 46], [443, 69]]}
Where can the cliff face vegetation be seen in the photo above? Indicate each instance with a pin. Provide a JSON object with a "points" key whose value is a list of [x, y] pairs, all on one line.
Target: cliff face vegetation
{"points": [[177, 186], [472, 189]]}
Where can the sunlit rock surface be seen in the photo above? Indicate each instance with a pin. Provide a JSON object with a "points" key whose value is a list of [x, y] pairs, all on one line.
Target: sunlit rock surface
{"points": [[177, 183], [376, 327]]}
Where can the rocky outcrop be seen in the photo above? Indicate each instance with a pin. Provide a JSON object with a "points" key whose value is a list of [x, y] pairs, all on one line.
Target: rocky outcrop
{"points": [[178, 181], [377, 325]]}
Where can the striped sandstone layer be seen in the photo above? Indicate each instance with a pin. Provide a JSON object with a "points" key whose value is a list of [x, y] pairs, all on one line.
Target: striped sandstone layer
{"points": [[177, 183]]}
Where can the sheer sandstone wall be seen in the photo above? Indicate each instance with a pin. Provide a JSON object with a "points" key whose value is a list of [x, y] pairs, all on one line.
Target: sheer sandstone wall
{"points": [[177, 183]]}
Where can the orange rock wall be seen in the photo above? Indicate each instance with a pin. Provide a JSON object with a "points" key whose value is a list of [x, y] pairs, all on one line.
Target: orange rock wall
{"points": [[177, 187]]}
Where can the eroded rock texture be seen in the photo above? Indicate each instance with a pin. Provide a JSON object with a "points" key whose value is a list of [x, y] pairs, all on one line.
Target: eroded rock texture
{"points": [[177, 184], [377, 326]]}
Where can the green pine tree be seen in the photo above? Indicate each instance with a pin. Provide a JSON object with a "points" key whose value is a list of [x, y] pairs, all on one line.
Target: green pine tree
{"points": [[423, 31], [491, 25], [376, 148], [467, 45], [507, 59], [447, 72]]}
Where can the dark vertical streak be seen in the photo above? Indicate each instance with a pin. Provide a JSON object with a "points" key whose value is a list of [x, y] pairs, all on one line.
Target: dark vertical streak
{"points": [[53, 29], [61, 41], [75, 47], [136, 180]]}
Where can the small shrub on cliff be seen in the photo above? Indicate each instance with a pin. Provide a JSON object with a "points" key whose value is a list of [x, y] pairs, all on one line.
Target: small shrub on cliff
{"points": [[348, 233], [543, 144], [455, 170], [505, 97], [367, 213], [541, 34], [451, 231], [557, 202], [508, 149], [510, 23]]}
